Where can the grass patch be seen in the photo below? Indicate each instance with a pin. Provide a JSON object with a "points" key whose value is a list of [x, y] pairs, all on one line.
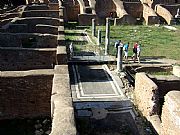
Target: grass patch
{"points": [[155, 41], [160, 73]]}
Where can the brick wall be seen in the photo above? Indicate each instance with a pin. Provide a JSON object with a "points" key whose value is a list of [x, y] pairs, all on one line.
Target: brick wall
{"points": [[46, 29], [104, 7], [86, 19], [33, 21], [25, 94], [135, 9], [71, 12], [26, 59], [41, 13]]}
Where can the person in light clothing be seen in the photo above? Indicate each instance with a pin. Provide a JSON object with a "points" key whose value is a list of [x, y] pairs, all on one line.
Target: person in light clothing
{"points": [[138, 52]]}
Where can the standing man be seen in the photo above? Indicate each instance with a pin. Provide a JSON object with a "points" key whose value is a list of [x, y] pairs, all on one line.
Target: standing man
{"points": [[117, 43], [134, 56]]}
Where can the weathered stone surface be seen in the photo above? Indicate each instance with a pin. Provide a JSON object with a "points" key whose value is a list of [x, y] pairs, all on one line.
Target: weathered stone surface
{"points": [[150, 15], [61, 85], [63, 122], [171, 114], [61, 55], [146, 94], [61, 69], [176, 71], [162, 11]]}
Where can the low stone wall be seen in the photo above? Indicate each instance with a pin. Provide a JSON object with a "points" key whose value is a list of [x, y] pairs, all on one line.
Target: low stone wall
{"points": [[33, 21], [176, 71], [62, 111], [25, 94], [150, 15], [37, 7], [146, 95], [104, 7], [26, 59], [161, 11], [171, 114], [46, 41], [41, 13], [40, 28]]}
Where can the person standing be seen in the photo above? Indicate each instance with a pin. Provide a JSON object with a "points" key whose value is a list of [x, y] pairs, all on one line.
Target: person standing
{"points": [[117, 43], [125, 49], [138, 52], [134, 56]]}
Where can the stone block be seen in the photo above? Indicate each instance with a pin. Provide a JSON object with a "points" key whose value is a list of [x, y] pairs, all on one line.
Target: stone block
{"points": [[170, 114], [61, 85], [146, 94], [176, 71], [63, 122], [61, 69], [61, 55]]}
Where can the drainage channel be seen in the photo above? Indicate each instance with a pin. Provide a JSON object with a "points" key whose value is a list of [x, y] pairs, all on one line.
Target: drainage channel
{"points": [[100, 106]]}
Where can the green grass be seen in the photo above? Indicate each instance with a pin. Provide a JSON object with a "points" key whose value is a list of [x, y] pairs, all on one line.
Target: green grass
{"points": [[155, 41]]}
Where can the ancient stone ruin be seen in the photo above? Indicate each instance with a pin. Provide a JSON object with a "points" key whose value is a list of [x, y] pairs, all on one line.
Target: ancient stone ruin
{"points": [[36, 72]]}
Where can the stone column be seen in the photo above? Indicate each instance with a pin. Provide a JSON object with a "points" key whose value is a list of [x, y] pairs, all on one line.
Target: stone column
{"points": [[93, 27], [99, 37], [119, 58], [107, 38]]}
